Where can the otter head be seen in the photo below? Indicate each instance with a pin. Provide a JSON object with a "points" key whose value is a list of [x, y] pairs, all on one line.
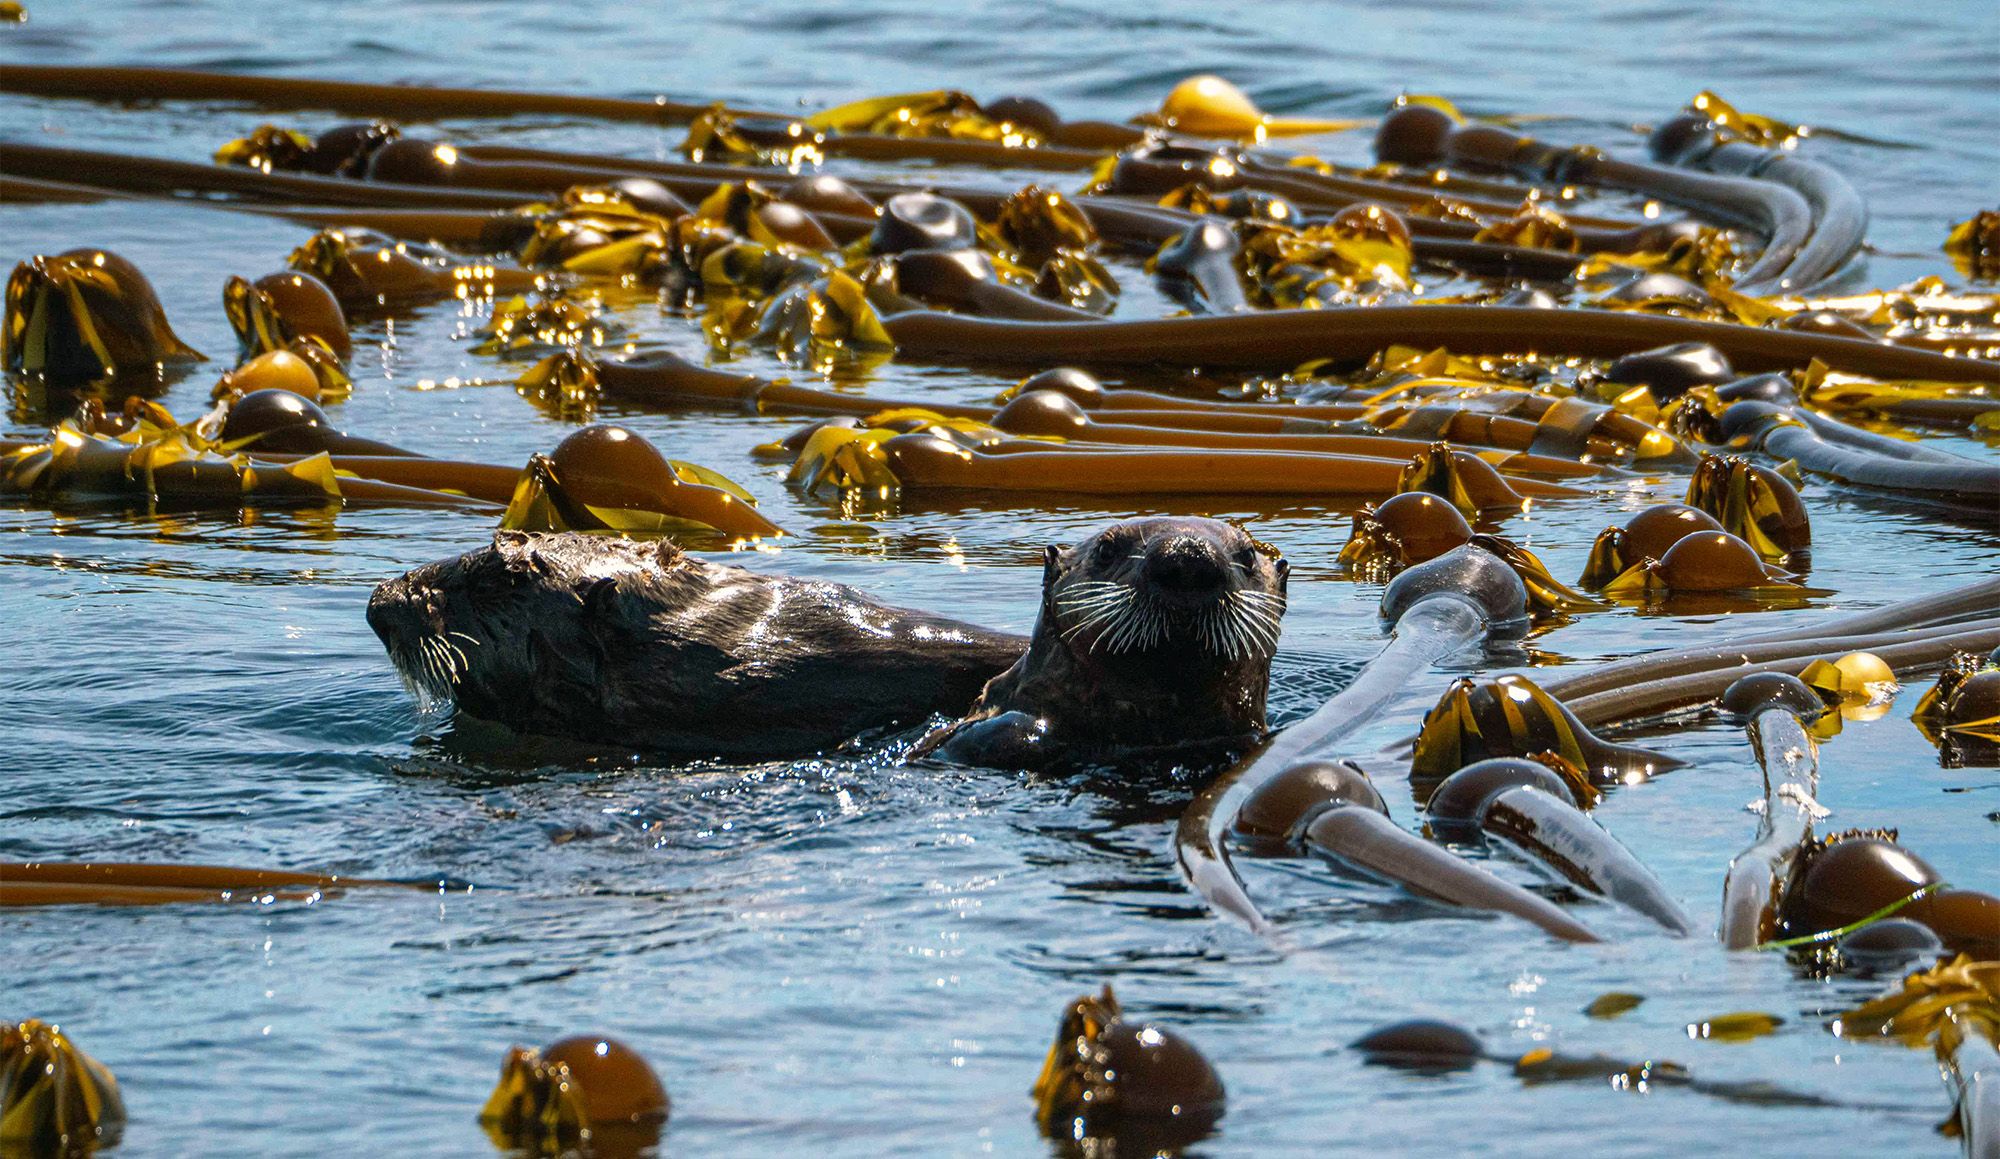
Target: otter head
{"points": [[1165, 588]]}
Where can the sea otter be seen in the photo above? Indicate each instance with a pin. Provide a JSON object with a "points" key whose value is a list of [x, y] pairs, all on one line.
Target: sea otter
{"points": [[641, 646], [1155, 638], [1154, 641]]}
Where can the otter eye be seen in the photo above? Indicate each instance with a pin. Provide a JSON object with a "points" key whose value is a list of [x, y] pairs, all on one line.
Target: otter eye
{"points": [[1107, 549], [1246, 558]]}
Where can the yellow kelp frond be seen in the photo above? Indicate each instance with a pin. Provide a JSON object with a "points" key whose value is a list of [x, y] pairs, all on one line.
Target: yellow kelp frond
{"points": [[1974, 246], [1209, 106], [1962, 991], [943, 113], [1360, 247], [1061, 1084], [1534, 226], [519, 324], [564, 384], [755, 271], [598, 238], [1755, 504], [1734, 124], [841, 458], [1400, 532], [819, 323], [1078, 279], [1037, 223], [54, 1099], [720, 135], [1461, 479], [1834, 390], [269, 148], [1964, 702], [535, 1108], [1547, 595], [1513, 717], [1858, 680]]}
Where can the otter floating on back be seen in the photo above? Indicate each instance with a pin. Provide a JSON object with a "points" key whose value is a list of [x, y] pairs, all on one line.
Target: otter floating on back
{"points": [[1154, 640]]}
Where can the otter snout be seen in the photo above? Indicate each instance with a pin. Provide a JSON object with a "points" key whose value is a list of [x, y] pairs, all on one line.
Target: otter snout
{"points": [[1185, 569]]}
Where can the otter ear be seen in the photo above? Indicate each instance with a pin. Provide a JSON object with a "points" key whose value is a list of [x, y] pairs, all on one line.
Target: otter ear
{"points": [[1051, 564], [1283, 567]]}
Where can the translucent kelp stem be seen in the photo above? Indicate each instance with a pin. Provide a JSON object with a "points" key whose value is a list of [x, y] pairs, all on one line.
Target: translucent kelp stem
{"points": [[1429, 631], [1369, 841], [1790, 760]]}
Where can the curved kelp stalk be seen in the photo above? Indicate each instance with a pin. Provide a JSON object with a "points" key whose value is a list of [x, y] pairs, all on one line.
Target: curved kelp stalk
{"points": [[1434, 610], [1533, 810]]}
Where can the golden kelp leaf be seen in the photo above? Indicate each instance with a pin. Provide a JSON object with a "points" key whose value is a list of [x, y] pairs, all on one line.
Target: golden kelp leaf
{"points": [[54, 1099], [1547, 595], [84, 317], [564, 383], [543, 502], [1428, 101], [1753, 503], [1974, 246], [518, 323], [1735, 124], [1036, 223], [1534, 226], [1613, 1004], [1962, 990], [720, 135], [940, 113], [844, 458], [269, 148], [1741, 1026], [1835, 390], [535, 1108]]}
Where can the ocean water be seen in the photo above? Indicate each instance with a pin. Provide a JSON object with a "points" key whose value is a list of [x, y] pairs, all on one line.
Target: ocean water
{"points": [[846, 955]]}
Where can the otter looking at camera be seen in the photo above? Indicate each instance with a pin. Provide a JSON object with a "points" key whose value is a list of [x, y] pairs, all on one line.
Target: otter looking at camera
{"points": [[1154, 641]]}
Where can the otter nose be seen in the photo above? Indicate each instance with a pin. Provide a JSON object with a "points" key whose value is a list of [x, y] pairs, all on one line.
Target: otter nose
{"points": [[1185, 566]]}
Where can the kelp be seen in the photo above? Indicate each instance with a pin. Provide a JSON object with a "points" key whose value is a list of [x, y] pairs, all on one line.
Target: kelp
{"points": [[588, 1095], [1755, 504], [521, 325], [940, 113], [1974, 246], [1209, 106], [1513, 717], [367, 271], [819, 323], [608, 479], [306, 367], [85, 317], [1733, 124], [54, 1098], [1108, 1078], [723, 135]]}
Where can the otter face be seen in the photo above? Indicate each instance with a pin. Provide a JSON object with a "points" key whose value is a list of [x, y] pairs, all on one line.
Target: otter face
{"points": [[1166, 585]]}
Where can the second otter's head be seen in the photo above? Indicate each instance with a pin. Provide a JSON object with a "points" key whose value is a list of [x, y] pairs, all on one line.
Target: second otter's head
{"points": [[1158, 588]]}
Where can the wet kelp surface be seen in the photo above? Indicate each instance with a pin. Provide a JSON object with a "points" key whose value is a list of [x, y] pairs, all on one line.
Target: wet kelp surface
{"points": [[845, 951]]}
